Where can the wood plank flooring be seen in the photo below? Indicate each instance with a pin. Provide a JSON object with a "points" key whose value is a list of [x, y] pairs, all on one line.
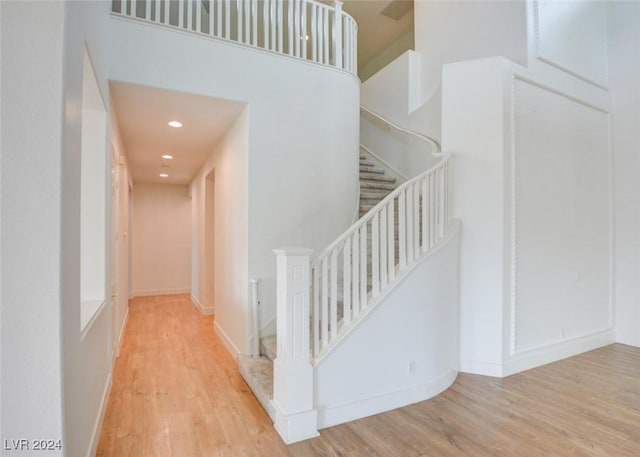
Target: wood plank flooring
{"points": [[177, 392]]}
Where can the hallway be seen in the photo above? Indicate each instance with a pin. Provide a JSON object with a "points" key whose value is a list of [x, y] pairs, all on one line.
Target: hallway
{"points": [[177, 392]]}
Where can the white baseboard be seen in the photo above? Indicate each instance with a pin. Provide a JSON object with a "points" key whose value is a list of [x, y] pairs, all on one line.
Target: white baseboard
{"points": [[631, 339], [557, 351], [328, 417], [95, 435], [226, 341], [204, 310], [481, 368], [172, 291], [121, 334]]}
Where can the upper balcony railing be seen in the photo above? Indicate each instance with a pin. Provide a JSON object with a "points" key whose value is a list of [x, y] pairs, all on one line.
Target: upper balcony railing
{"points": [[304, 29]]}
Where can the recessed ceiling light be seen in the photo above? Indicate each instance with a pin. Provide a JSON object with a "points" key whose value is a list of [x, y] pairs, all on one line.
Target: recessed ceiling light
{"points": [[175, 124], [167, 156], [164, 175]]}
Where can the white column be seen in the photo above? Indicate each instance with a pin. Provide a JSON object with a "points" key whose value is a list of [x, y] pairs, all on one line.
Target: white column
{"points": [[293, 377]]}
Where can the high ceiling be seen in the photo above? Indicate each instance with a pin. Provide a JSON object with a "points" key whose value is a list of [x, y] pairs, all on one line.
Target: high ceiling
{"points": [[375, 31], [143, 113]]}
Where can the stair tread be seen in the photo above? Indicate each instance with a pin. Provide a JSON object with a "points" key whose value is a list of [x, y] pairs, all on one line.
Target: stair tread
{"points": [[258, 373], [370, 169], [376, 177]]}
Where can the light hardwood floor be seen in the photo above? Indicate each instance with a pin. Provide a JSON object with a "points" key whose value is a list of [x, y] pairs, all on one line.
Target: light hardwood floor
{"points": [[177, 392]]}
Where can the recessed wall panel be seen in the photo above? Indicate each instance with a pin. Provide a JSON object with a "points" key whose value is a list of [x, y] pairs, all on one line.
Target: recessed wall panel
{"points": [[562, 224]]}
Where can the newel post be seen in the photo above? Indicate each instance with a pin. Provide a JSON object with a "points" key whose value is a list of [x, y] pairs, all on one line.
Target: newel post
{"points": [[296, 417], [337, 34]]}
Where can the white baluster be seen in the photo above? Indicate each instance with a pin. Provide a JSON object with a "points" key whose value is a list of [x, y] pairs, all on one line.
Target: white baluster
{"points": [[334, 295], [304, 38], [280, 25], [198, 5], [291, 45], [425, 208], [355, 287], [247, 22], [441, 202], [325, 35], [147, 10], [296, 26], [375, 255], [227, 19], [320, 38], [167, 12], [416, 220], [402, 231], [346, 281], [409, 225], [190, 14], [254, 22], [337, 33], [314, 32], [239, 4], [218, 17], [363, 267], [391, 243], [383, 247], [324, 304], [315, 331], [266, 25], [134, 8], [156, 10], [181, 13], [212, 15], [432, 203]]}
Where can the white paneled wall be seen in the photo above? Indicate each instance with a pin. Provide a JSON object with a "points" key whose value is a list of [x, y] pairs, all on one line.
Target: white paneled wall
{"points": [[562, 237]]}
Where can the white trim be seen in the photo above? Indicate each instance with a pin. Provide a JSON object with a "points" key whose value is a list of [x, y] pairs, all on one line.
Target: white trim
{"points": [[121, 334], [526, 360], [173, 291], [204, 310], [93, 447], [86, 326], [226, 341], [335, 415], [493, 369]]}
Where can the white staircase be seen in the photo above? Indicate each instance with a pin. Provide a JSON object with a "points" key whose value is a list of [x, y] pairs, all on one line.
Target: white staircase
{"points": [[375, 185], [320, 303]]}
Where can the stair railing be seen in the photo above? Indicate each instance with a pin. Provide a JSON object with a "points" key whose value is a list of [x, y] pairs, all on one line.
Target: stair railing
{"points": [[305, 29], [350, 275]]}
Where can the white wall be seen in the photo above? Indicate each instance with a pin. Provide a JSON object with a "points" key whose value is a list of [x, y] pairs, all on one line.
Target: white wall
{"points": [[624, 74], [32, 396], [405, 351], [452, 31], [302, 137], [1, 96], [228, 161], [161, 239], [87, 355]]}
